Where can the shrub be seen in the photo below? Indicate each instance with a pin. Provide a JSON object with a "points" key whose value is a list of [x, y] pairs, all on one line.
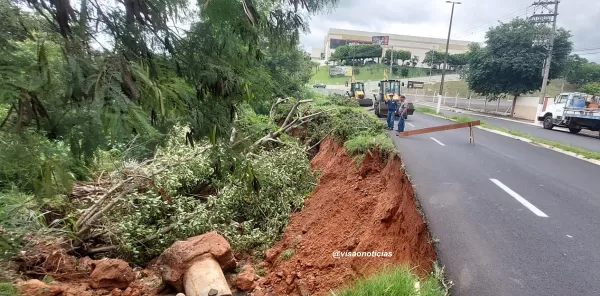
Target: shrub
{"points": [[251, 206], [356, 70], [404, 72], [34, 164]]}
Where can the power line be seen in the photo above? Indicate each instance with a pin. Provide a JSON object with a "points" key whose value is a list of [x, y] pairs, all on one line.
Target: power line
{"points": [[486, 26]]}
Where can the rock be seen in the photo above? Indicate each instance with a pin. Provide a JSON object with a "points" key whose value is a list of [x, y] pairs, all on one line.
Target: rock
{"points": [[36, 287], [213, 292], [279, 274], [180, 294], [271, 254], [131, 292], [258, 292], [116, 292], [289, 279], [302, 288], [111, 273], [245, 280]]}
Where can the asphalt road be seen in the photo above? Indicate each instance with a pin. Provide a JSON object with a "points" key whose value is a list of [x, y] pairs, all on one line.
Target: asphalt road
{"points": [[511, 218], [585, 139]]}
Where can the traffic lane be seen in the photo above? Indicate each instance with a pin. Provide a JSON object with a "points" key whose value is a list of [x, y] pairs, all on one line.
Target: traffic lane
{"points": [[559, 135], [512, 226], [451, 202]]}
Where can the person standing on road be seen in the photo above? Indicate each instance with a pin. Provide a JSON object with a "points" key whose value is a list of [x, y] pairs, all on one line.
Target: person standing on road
{"points": [[402, 110], [392, 108]]}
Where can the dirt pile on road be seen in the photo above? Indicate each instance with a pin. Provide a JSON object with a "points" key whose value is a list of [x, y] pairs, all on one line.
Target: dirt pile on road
{"points": [[370, 209]]}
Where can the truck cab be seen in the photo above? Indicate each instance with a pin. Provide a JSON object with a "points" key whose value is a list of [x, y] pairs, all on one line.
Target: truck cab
{"points": [[573, 111]]}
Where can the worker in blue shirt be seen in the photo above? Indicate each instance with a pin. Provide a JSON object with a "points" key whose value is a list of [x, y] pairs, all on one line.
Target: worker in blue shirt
{"points": [[392, 104]]}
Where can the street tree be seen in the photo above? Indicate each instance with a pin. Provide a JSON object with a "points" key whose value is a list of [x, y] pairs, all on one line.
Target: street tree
{"points": [[592, 88], [511, 63], [414, 61], [358, 51], [580, 72], [434, 58]]}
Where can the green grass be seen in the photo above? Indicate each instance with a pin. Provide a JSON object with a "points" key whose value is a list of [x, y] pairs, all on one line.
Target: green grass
{"points": [[367, 73], [287, 254], [356, 128], [395, 281], [583, 152], [8, 289], [364, 143], [462, 88]]}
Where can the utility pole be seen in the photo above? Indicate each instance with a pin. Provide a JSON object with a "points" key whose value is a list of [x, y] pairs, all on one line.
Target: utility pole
{"points": [[446, 57], [545, 12], [391, 59], [431, 67]]}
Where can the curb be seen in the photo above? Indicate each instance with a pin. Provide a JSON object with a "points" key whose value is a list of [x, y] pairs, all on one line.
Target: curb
{"points": [[463, 111], [529, 141]]}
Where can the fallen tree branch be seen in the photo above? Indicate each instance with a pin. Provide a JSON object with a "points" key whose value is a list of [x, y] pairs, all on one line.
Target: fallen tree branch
{"points": [[273, 109], [295, 123], [233, 130], [315, 145], [293, 111], [87, 226], [91, 210]]}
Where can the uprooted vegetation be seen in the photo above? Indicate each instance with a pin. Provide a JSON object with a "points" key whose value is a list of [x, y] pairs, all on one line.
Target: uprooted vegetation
{"points": [[245, 186]]}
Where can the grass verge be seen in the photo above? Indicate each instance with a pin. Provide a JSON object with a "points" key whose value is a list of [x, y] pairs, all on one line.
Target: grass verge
{"points": [[366, 73], [8, 289], [357, 129], [395, 281], [583, 152]]}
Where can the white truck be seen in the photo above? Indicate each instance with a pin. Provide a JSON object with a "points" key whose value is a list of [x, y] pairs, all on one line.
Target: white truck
{"points": [[573, 111]]}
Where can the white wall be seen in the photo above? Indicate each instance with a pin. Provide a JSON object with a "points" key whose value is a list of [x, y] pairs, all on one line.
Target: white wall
{"points": [[526, 107]]}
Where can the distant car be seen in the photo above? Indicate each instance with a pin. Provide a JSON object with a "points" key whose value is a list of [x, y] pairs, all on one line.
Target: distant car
{"points": [[319, 85], [370, 62]]}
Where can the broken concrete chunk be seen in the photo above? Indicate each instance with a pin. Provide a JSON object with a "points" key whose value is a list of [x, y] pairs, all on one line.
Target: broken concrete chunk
{"points": [[196, 265]]}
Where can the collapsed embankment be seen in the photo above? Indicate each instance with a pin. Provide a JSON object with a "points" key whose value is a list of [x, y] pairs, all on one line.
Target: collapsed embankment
{"points": [[366, 209]]}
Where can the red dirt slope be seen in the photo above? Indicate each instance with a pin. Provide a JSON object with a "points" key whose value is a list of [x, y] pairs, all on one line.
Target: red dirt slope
{"points": [[368, 209]]}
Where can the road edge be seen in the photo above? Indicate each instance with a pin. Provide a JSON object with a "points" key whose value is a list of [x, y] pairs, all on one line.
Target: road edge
{"points": [[529, 141]]}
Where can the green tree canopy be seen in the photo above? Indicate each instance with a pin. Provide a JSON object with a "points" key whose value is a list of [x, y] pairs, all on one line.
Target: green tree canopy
{"points": [[511, 63], [433, 57], [358, 51], [399, 55], [580, 72]]}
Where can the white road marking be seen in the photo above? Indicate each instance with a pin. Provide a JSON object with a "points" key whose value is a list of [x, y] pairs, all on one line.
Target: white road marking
{"points": [[569, 236], [520, 199], [410, 124], [437, 141]]}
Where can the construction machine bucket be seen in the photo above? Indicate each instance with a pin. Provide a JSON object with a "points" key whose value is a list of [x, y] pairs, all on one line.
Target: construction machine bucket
{"points": [[365, 102]]}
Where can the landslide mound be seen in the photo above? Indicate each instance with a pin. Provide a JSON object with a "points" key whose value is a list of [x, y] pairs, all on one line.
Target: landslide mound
{"points": [[372, 208]]}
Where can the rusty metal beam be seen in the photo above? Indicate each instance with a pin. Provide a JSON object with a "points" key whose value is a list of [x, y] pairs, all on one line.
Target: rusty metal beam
{"points": [[439, 128]]}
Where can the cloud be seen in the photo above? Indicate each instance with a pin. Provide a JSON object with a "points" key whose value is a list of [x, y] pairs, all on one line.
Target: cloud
{"points": [[472, 18]]}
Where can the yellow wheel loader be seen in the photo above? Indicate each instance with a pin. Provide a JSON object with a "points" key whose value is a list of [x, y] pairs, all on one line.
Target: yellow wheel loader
{"points": [[389, 90], [357, 92]]}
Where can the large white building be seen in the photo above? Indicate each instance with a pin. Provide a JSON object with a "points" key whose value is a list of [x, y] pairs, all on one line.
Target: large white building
{"points": [[416, 45]]}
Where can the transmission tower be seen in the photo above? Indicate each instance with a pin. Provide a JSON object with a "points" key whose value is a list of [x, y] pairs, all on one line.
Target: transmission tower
{"points": [[545, 14]]}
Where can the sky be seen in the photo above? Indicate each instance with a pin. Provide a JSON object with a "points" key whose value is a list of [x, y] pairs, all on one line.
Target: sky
{"points": [[472, 18]]}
